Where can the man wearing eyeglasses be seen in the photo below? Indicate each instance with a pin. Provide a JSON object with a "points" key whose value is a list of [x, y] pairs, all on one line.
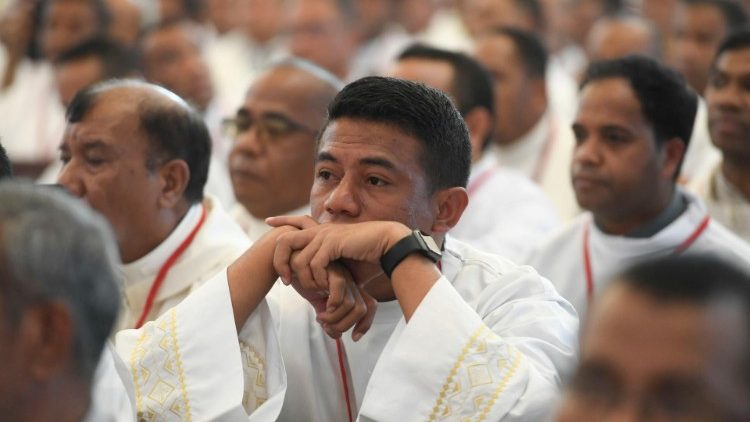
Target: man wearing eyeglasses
{"points": [[271, 161]]}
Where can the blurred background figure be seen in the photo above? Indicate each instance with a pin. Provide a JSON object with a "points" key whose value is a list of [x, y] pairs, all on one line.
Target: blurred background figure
{"points": [[237, 56], [632, 129], [621, 35], [668, 340], [322, 31], [698, 28], [126, 22], [34, 34], [726, 187], [274, 132], [170, 56], [507, 213], [86, 64], [529, 136], [59, 302]]}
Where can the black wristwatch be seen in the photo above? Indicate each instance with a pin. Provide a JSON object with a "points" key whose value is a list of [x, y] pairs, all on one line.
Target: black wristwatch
{"points": [[416, 242]]}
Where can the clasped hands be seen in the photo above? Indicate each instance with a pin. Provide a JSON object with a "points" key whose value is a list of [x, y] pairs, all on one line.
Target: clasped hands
{"points": [[330, 265]]}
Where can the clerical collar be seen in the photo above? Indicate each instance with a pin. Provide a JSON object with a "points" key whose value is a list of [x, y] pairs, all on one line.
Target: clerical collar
{"points": [[149, 264], [677, 205]]}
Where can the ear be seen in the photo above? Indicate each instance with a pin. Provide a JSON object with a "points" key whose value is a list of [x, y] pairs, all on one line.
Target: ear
{"points": [[450, 204], [673, 150], [479, 122], [46, 333], [174, 175]]}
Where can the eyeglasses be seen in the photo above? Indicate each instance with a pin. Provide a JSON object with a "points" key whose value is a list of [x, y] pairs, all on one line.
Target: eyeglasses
{"points": [[270, 126]]}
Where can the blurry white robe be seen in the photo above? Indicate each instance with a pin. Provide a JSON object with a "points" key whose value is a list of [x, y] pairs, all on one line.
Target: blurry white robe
{"points": [[544, 155], [561, 257], [216, 245], [725, 202], [507, 213]]}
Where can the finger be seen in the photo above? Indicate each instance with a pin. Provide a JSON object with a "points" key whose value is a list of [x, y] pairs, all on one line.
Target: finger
{"points": [[299, 221], [323, 256], [331, 332], [365, 323], [341, 299], [286, 244], [353, 317], [316, 281], [301, 271]]}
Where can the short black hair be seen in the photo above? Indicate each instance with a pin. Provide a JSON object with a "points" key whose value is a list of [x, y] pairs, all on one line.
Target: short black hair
{"points": [[666, 100], [692, 279], [117, 60], [736, 40], [419, 111], [6, 169], [174, 131], [471, 86], [529, 48], [734, 14]]}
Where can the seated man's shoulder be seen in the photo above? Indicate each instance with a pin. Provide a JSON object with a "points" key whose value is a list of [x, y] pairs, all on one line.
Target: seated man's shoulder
{"points": [[479, 270]]}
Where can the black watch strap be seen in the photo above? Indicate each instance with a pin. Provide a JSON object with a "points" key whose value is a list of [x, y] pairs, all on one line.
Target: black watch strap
{"points": [[416, 242]]}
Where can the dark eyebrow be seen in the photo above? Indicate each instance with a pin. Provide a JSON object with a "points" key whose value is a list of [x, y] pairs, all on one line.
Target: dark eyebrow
{"points": [[376, 161], [324, 156]]}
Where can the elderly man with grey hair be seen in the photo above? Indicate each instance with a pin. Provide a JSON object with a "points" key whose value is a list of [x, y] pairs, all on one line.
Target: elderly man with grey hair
{"points": [[59, 300]]}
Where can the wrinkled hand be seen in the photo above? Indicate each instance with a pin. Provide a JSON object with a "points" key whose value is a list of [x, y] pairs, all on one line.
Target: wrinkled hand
{"points": [[342, 305], [305, 254]]}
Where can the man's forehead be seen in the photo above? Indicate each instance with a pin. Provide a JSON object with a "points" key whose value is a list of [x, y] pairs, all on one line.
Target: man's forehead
{"points": [[734, 61], [369, 137], [612, 97]]}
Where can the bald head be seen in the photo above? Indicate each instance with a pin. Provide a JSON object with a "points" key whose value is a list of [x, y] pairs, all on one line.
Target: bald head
{"points": [[615, 37], [173, 129], [139, 155]]}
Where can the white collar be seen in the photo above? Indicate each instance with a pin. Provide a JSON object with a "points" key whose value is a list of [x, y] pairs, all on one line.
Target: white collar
{"points": [[150, 263]]}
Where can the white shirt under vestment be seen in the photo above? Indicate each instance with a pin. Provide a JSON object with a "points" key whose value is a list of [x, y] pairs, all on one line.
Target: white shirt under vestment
{"points": [[544, 155], [725, 202], [216, 245], [701, 156], [561, 257], [189, 365], [256, 227], [33, 119], [507, 213], [490, 338]]}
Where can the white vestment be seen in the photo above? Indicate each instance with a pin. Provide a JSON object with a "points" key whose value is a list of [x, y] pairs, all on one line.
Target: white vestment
{"points": [[561, 257], [725, 202], [490, 338], [544, 155], [189, 365], [255, 227], [33, 119], [701, 156], [216, 245], [507, 213]]}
